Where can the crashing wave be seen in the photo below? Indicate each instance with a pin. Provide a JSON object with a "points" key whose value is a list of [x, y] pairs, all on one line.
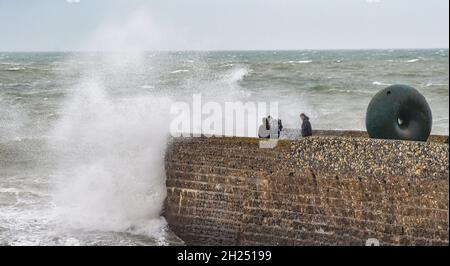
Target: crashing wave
{"points": [[179, 71]]}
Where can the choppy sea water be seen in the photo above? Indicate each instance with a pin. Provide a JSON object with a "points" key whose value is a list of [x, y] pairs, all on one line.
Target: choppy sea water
{"points": [[82, 135]]}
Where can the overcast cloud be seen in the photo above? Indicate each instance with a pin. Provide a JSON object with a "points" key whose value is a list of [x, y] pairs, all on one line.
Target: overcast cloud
{"points": [[58, 25]]}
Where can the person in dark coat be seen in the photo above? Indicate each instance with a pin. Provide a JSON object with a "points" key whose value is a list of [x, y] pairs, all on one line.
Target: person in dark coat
{"points": [[306, 126], [264, 129], [280, 127]]}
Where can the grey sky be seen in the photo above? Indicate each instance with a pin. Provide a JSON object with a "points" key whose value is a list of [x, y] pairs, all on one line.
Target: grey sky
{"points": [[55, 25]]}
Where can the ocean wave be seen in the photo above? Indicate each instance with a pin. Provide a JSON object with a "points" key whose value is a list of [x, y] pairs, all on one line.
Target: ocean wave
{"points": [[179, 71], [413, 60], [10, 190], [231, 81], [147, 86], [16, 192], [441, 119], [328, 89], [228, 65], [430, 84], [236, 75], [14, 69], [321, 88], [441, 53], [298, 62], [28, 138], [350, 91], [110, 181], [377, 83]]}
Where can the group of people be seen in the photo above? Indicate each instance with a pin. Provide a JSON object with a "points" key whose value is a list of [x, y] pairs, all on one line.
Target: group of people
{"points": [[271, 128]]}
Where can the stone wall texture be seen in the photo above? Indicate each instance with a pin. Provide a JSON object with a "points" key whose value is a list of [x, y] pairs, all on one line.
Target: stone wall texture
{"points": [[323, 190]]}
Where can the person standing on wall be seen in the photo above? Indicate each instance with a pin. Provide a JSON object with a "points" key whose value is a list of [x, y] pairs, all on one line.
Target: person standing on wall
{"points": [[280, 127], [270, 128], [264, 129], [306, 126]]}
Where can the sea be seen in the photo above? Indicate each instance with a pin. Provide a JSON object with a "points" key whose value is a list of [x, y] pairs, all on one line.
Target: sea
{"points": [[83, 134]]}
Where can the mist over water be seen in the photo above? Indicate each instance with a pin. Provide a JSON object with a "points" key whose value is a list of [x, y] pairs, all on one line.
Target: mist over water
{"points": [[83, 135]]}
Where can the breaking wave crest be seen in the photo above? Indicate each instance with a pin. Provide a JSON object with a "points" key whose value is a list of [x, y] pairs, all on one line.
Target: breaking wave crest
{"points": [[110, 155]]}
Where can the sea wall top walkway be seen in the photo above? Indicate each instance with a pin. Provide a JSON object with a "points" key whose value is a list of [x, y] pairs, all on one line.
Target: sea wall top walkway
{"points": [[336, 188]]}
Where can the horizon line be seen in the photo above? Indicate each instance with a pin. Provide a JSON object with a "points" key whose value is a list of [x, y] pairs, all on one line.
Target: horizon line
{"points": [[221, 50]]}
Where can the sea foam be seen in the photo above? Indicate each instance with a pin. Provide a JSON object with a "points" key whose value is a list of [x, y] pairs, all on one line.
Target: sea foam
{"points": [[179, 71], [377, 83], [110, 149], [110, 155]]}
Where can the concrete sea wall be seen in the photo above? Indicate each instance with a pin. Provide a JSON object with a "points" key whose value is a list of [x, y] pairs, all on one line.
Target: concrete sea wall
{"points": [[325, 190]]}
